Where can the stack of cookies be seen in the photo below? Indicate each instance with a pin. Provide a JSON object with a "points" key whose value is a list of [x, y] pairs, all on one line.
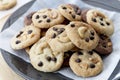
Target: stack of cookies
{"points": [[66, 37]]}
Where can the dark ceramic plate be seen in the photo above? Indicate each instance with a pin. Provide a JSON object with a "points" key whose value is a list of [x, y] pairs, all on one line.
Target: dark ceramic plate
{"points": [[25, 69]]}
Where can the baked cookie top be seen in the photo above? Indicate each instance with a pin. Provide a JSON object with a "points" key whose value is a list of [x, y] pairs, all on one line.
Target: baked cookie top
{"points": [[70, 11], [26, 37], [46, 18], [42, 57], [57, 39], [86, 63], [82, 35]]}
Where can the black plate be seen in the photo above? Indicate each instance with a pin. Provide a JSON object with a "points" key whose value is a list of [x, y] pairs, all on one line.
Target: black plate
{"points": [[25, 69]]}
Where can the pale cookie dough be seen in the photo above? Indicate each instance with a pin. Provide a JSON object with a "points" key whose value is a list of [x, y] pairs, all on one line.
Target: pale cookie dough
{"points": [[46, 18], [7, 4], [82, 35], [57, 39], [86, 63], [70, 11], [99, 21], [26, 37], [43, 59]]}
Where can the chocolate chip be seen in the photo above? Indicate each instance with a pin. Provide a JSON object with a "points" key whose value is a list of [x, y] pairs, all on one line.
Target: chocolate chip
{"points": [[92, 66], [101, 24], [19, 34], [48, 20], [92, 33], [73, 16], [30, 31], [37, 16], [40, 64], [48, 58], [80, 53], [78, 60], [72, 25], [91, 37], [61, 30], [70, 12], [101, 19], [90, 52], [55, 29], [54, 59], [39, 21], [94, 20], [64, 7], [108, 23], [17, 42], [44, 16], [87, 39], [54, 35]]}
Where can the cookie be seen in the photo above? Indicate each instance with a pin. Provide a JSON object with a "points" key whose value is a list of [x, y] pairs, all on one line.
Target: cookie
{"points": [[28, 19], [86, 63], [70, 11], [42, 57], [57, 39], [47, 18], [104, 46], [26, 37], [99, 21], [82, 35], [7, 4]]}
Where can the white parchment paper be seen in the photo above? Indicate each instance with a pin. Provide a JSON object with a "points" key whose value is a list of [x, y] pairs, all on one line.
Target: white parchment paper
{"points": [[110, 61]]}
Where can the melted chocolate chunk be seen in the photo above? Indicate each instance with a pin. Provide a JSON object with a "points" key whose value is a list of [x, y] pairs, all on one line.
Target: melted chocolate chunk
{"points": [[70, 12], [87, 39], [101, 19], [64, 8], [78, 60], [73, 16], [54, 35], [61, 30], [55, 29], [92, 65], [48, 20], [92, 33], [94, 20], [54, 59], [91, 37], [72, 25], [101, 24], [37, 16], [80, 53], [44, 16], [17, 42], [39, 21], [19, 34], [30, 31], [108, 23], [40, 64], [90, 52], [48, 58]]}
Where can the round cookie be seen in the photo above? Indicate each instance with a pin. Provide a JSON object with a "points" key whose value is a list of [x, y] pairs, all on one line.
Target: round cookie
{"points": [[82, 35], [86, 63], [45, 18], [104, 46], [100, 22], [70, 11], [26, 37], [28, 19], [42, 57], [57, 39], [7, 4]]}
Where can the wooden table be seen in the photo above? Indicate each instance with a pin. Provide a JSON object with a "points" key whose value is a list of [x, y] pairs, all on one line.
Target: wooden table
{"points": [[6, 73]]}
